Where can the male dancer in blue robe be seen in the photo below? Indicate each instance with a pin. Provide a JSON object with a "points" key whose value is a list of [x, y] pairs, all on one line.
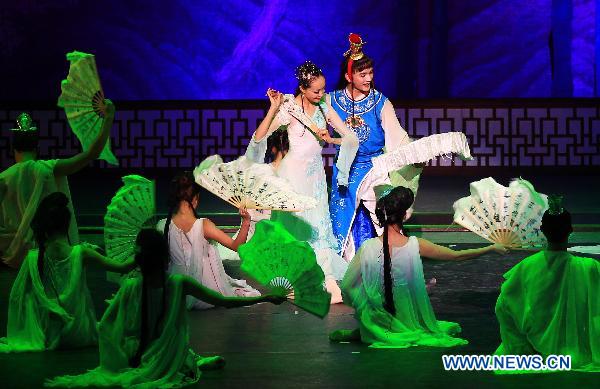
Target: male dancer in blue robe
{"points": [[372, 117]]}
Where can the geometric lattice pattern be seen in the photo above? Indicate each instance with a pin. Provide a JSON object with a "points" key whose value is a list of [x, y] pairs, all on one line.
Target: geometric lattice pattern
{"points": [[514, 136], [181, 134]]}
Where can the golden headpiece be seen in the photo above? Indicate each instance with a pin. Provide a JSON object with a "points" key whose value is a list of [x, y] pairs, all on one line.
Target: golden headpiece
{"points": [[356, 43]]}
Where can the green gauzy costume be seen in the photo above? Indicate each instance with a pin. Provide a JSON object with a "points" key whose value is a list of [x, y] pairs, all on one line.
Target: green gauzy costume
{"points": [[22, 187], [37, 320], [167, 362], [550, 304], [414, 323]]}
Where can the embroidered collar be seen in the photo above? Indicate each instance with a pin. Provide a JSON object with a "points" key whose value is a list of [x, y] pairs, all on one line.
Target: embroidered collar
{"points": [[361, 106]]}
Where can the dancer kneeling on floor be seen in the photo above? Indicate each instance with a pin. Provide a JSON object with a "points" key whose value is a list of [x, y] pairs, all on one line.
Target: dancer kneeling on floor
{"points": [[50, 305], [386, 287], [144, 334], [189, 238], [550, 301]]}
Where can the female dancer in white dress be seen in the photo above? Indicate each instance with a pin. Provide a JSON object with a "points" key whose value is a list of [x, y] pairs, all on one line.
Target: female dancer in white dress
{"points": [[306, 116], [278, 146], [386, 287], [189, 238]]}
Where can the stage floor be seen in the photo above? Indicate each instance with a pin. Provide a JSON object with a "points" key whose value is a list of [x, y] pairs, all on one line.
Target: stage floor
{"points": [[268, 346], [276, 346], [92, 192]]}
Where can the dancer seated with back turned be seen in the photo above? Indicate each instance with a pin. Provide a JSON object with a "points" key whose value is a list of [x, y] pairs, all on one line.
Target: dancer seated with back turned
{"points": [[190, 237], [50, 305], [550, 301], [144, 333], [386, 287]]}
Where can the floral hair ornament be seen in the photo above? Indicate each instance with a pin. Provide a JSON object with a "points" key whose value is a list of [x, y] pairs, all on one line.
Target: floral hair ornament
{"points": [[306, 71], [355, 52], [24, 123], [382, 190]]}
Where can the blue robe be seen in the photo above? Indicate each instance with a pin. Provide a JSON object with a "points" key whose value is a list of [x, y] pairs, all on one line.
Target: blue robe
{"points": [[345, 212]]}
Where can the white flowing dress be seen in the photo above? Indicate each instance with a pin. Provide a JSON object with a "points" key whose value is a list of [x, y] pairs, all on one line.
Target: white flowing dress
{"points": [[414, 323], [194, 256], [303, 168]]}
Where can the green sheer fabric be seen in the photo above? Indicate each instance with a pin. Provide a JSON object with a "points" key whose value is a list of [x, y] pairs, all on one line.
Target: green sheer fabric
{"points": [[37, 321], [550, 304], [22, 187], [167, 362], [414, 323]]}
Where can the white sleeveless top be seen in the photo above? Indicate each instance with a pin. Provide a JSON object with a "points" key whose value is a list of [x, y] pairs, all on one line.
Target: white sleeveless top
{"points": [[194, 256]]}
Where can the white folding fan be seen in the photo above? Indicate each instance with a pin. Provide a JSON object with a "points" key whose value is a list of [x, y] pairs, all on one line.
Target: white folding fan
{"points": [[83, 100], [510, 216], [132, 208], [243, 183]]}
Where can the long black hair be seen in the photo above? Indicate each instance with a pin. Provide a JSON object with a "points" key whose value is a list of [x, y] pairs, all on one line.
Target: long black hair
{"points": [[152, 258], [183, 188], [52, 217], [390, 211], [280, 141]]}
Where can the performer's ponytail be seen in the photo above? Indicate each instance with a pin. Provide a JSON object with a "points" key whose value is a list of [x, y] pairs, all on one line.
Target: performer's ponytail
{"points": [[152, 258], [390, 211], [387, 274], [183, 188], [168, 223], [52, 217]]}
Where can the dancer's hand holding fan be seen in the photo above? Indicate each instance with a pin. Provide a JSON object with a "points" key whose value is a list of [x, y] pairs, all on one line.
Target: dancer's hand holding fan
{"points": [[278, 261], [83, 99], [132, 208], [509, 216], [249, 185]]}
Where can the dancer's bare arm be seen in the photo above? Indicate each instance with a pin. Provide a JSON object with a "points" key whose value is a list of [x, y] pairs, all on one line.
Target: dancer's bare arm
{"points": [[108, 264], [67, 166], [431, 250], [211, 231], [194, 288]]}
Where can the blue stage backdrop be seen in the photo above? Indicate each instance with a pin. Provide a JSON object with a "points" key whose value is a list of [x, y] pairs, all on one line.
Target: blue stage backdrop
{"points": [[188, 50]]}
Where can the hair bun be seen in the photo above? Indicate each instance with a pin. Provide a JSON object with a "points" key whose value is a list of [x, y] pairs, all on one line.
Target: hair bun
{"points": [[392, 207], [306, 72], [53, 201]]}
